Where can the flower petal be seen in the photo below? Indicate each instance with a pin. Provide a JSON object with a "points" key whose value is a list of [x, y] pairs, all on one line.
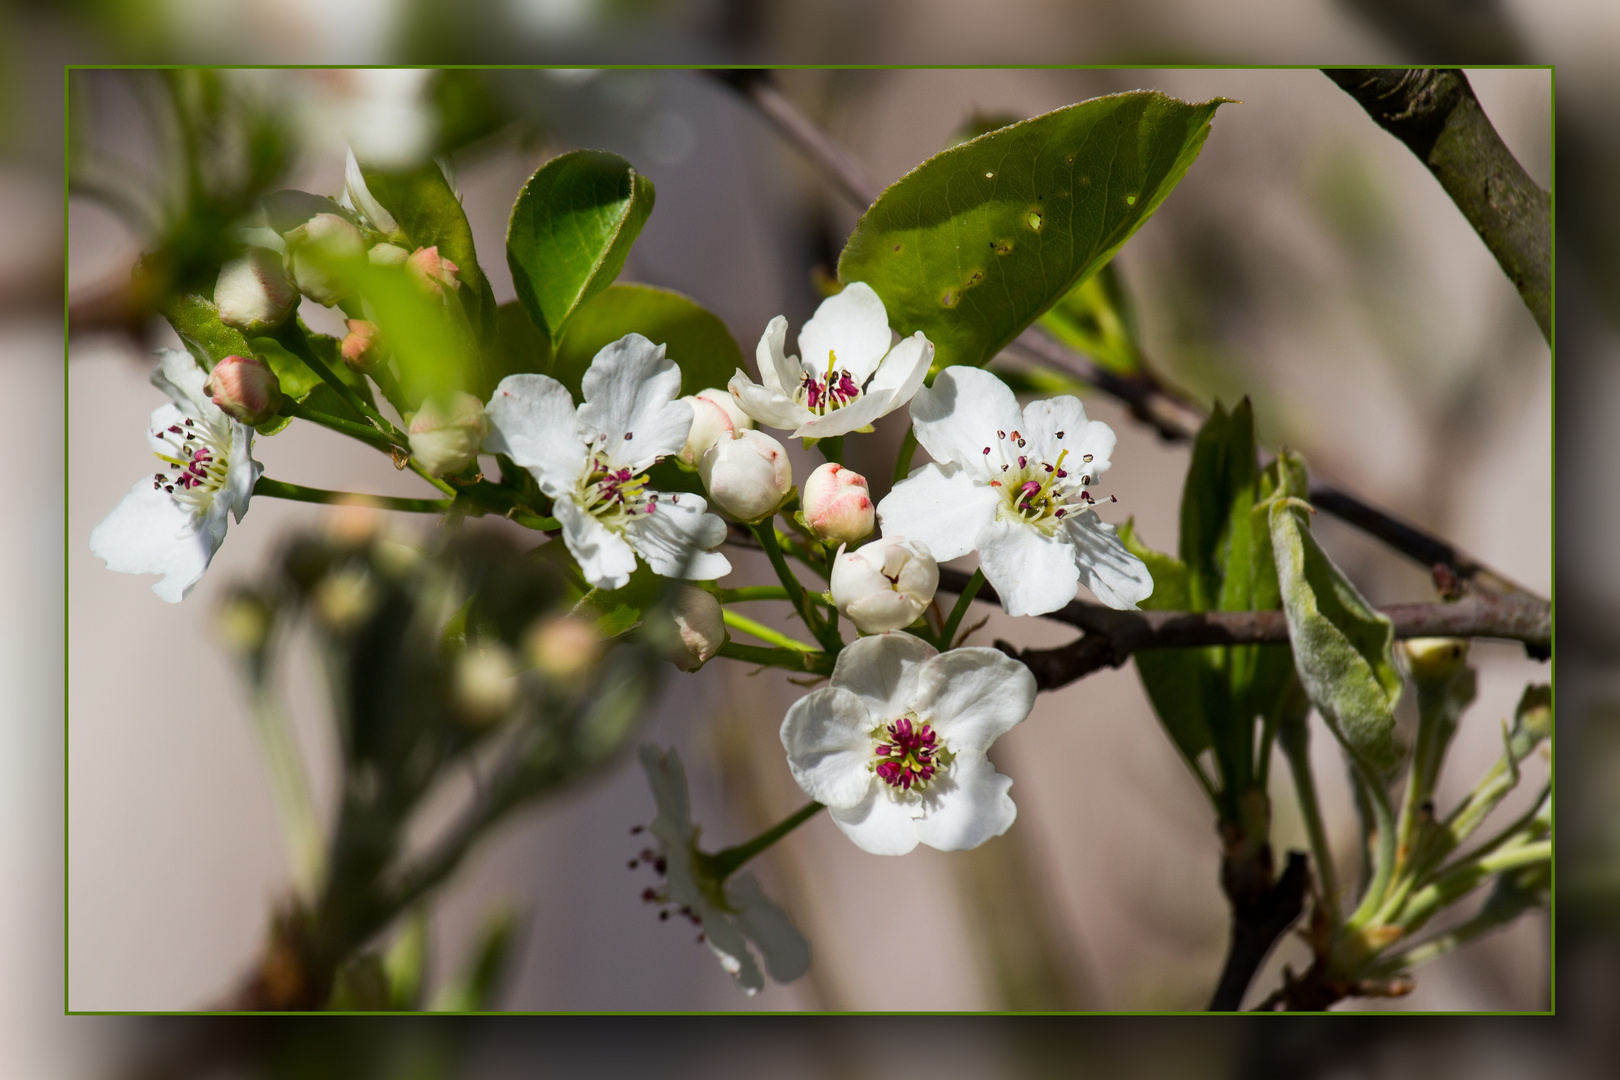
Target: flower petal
{"points": [[903, 370], [149, 533], [957, 417], [363, 201], [882, 670], [1044, 419], [766, 406], [779, 373], [941, 506], [851, 324], [863, 411], [667, 778], [180, 376], [827, 736], [1032, 572], [243, 473], [974, 696], [726, 941], [603, 556], [631, 396], [675, 539], [1114, 576], [969, 807], [532, 420], [878, 824], [786, 952]]}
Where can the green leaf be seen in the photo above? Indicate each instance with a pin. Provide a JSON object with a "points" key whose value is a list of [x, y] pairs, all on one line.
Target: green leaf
{"points": [[571, 228], [285, 210], [299, 381], [429, 338], [1173, 678], [520, 347], [1343, 647], [196, 320], [1097, 318], [696, 339], [479, 987], [430, 215], [978, 241]]}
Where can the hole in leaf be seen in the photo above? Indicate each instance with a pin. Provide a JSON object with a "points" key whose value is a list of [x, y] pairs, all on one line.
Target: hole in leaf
{"points": [[950, 298], [1002, 247], [1034, 221], [973, 279], [1130, 200], [897, 249], [989, 176]]}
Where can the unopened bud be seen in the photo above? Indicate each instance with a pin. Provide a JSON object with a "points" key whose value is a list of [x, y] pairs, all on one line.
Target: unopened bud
{"points": [[342, 600], [715, 416], [314, 251], [244, 621], [245, 388], [434, 272], [1435, 659], [563, 648], [885, 585], [837, 505], [387, 255], [486, 684], [253, 293], [747, 475], [445, 437], [359, 348], [699, 629]]}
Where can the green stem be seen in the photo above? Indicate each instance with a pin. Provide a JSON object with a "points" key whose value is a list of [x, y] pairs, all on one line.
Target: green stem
{"points": [[300, 824], [969, 591], [278, 489], [292, 335], [364, 432], [766, 531], [832, 449], [1295, 739], [763, 632], [1384, 861], [752, 592], [814, 663], [1460, 880], [908, 447], [727, 861]]}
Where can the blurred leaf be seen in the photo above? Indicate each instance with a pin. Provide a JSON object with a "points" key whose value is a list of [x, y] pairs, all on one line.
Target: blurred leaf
{"points": [[976, 242], [285, 210], [196, 320], [571, 229], [429, 338], [467, 109], [1097, 318], [478, 989], [699, 343], [360, 986], [299, 381], [405, 966], [1343, 647]]}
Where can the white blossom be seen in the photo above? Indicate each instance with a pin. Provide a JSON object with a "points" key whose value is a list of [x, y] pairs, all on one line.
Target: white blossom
{"points": [[746, 474], [1013, 485], [715, 416], [884, 585]]}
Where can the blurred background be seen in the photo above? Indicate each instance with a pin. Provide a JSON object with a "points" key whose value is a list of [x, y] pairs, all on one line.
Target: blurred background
{"points": [[1307, 260]]}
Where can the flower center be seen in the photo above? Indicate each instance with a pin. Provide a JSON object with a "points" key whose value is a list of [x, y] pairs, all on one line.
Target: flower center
{"points": [[834, 390], [196, 465], [612, 493], [1039, 493], [907, 753]]}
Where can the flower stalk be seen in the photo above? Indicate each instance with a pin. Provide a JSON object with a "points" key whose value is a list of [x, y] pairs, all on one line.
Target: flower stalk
{"points": [[728, 860]]}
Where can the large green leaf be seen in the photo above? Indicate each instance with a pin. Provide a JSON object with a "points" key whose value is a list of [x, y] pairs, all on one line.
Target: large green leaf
{"points": [[976, 242], [1097, 318], [1343, 646], [520, 347], [696, 338], [571, 228]]}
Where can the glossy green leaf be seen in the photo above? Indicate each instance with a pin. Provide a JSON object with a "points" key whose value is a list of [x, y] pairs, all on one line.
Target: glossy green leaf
{"points": [[978, 241], [1343, 647], [694, 337], [571, 229], [1096, 317]]}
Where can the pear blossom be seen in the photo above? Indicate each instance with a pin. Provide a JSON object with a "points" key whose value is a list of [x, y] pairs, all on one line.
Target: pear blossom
{"points": [[895, 744], [173, 520], [747, 474], [715, 416], [837, 505], [732, 913], [884, 585], [848, 377], [1012, 484], [591, 461]]}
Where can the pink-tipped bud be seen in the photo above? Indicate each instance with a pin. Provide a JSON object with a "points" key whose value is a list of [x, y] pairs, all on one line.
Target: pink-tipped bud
{"points": [[445, 436], [316, 251], [253, 293], [245, 388], [715, 416], [359, 347], [435, 273], [885, 585], [747, 475], [837, 505]]}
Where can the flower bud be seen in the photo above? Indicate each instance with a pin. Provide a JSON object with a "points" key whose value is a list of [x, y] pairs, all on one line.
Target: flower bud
{"points": [[445, 437], [747, 475], [314, 249], [244, 387], [885, 585], [387, 255], [699, 629], [485, 685], [359, 348], [837, 505], [563, 648], [253, 293], [434, 273], [1435, 659], [715, 416]]}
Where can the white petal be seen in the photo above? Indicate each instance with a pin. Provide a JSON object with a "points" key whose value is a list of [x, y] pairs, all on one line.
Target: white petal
{"points": [[180, 376], [786, 953], [532, 421], [974, 696], [863, 411], [243, 473], [942, 506], [882, 671], [903, 370], [970, 807], [851, 324], [631, 396], [1115, 576], [1044, 419], [766, 406], [354, 186], [827, 736], [878, 824], [149, 533], [779, 373], [675, 539], [1033, 573], [667, 778], [603, 556], [957, 417], [726, 941]]}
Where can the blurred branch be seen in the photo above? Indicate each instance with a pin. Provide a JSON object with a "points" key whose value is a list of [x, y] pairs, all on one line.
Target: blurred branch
{"points": [[1435, 113], [1167, 411]]}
